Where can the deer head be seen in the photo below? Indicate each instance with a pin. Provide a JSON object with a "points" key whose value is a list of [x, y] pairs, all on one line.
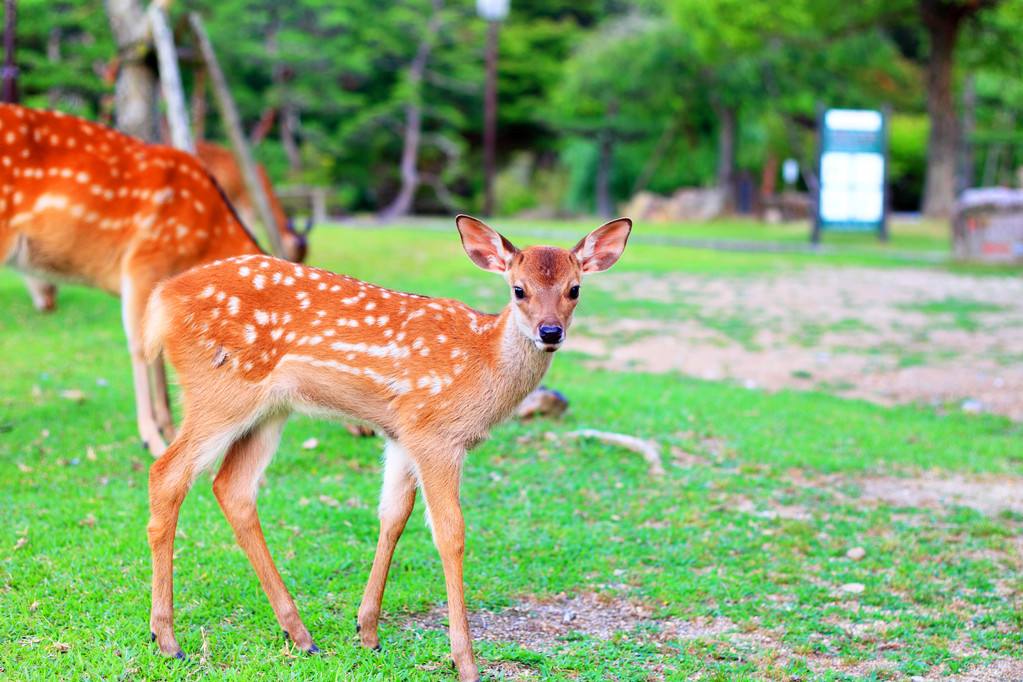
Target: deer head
{"points": [[296, 242], [544, 281]]}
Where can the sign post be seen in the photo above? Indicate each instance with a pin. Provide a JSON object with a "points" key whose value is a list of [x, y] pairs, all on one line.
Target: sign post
{"points": [[853, 169]]}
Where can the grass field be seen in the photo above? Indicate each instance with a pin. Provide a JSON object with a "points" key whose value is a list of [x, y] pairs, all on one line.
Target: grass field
{"points": [[733, 565]]}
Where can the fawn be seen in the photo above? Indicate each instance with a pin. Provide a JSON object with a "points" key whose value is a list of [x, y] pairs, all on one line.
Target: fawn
{"points": [[254, 338], [85, 203]]}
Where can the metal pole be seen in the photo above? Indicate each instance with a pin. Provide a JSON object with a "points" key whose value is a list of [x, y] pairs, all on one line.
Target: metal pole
{"points": [[10, 70], [886, 198], [815, 232], [490, 119]]}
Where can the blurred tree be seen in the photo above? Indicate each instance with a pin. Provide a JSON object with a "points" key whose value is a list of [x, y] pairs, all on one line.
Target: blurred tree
{"points": [[770, 65], [604, 97], [944, 20], [62, 48], [413, 131], [621, 83], [136, 91], [991, 55]]}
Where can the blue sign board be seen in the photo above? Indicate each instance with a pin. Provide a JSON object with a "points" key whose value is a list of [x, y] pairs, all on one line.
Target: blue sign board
{"points": [[852, 170]]}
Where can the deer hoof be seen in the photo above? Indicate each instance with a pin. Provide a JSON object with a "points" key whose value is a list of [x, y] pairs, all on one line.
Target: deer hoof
{"points": [[378, 648], [358, 628], [180, 655], [313, 650], [152, 636]]}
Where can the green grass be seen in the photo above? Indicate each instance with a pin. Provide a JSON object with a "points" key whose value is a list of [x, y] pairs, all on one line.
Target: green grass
{"points": [[960, 313], [542, 518], [755, 247], [926, 236]]}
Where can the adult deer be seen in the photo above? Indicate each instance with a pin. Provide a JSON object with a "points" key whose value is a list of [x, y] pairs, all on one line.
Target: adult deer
{"points": [[84, 203], [222, 166], [220, 162], [254, 338]]}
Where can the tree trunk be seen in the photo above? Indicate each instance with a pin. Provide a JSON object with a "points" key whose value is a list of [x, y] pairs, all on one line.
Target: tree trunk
{"points": [[170, 78], [282, 75], [402, 203], [943, 142], [653, 161], [490, 119], [728, 121], [966, 160], [289, 125], [10, 68], [232, 124], [53, 44], [199, 103], [263, 126], [135, 93], [605, 166]]}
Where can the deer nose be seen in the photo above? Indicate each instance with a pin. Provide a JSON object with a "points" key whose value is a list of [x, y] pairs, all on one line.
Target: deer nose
{"points": [[551, 333]]}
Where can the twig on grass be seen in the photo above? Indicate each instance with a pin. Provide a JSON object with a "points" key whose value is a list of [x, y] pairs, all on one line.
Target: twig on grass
{"points": [[649, 449]]}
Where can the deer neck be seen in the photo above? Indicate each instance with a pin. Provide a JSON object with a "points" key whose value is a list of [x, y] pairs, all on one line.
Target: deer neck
{"points": [[517, 364]]}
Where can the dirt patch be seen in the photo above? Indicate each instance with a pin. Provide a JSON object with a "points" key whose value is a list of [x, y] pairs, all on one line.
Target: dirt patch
{"points": [[509, 670], [990, 495], [770, 510], [886, 335], [539, 625], [767, 649], [1005, 670]]}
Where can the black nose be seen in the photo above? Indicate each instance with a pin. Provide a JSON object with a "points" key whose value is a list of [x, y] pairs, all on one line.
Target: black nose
{"points": [[551, 333]]}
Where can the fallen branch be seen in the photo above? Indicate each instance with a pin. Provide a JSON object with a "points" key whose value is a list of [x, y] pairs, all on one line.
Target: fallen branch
{"points": [[650, 450]]}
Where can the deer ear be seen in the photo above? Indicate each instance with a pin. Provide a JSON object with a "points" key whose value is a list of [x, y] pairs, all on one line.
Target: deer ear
{"points": [[602, 248], [486, 247]]}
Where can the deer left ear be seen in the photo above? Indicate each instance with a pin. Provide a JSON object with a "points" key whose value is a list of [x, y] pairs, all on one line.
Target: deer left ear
{"points": [[602, 248], [486, 247]]}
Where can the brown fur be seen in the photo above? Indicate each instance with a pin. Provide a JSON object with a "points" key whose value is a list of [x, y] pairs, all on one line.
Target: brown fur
{"points": [[220, 162], [84, 203], [254, 338]]}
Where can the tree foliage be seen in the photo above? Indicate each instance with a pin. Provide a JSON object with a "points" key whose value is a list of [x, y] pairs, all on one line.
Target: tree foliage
{"points": [[658, 79]]}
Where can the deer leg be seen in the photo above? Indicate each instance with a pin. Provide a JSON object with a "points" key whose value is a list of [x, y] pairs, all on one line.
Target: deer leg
{"points": [[440, 481], [133, 302], [236, 487], [161, 398], [170, 478], [43, 293], [396, 501]]}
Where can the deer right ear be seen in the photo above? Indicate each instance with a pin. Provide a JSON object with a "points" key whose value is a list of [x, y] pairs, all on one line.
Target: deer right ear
{"points": [[486, 247], [602, 248]]}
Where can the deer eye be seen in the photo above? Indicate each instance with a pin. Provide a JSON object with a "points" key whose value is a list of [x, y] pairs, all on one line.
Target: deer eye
{"points": [[573, 293], [520, 293]]}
